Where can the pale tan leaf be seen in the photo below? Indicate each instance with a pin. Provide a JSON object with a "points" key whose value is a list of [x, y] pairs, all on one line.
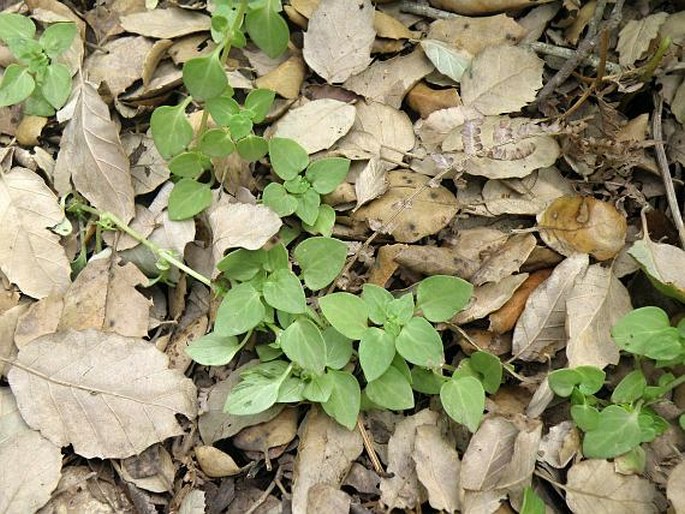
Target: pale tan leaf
{"points": [[165, 23], [479, 7], [506, 260], [663, 264], [593, 487], [324, 456], [152, 470], [502, 79], [317, 124], [560, 444], [490, 297], [433, 130], [107, 395], [92, 154], [371, 182], [596, 302], [30, 254], [215, 463], [29, 464], [119, 62], [476, 34], [338, 40], [329, 499], [388, 26], [8, 325], [41, 318], [286, 79], [541, 330], [518, 473], [193, 503], [437, 467], [675, 488], [636, 36]]}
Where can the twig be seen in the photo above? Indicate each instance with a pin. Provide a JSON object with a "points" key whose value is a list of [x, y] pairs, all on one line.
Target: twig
{"points": [[421, 9], [569, 53], [370, 450], [266, 493], [657, 135]]}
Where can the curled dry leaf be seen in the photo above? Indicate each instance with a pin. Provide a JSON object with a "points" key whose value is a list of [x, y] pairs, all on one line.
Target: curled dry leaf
{"points": [[107, 395], [505, 260], [165, 23], [371, 182], [490, 297], [437, 467], [120, 63], [636, 36], [583, 224], [663, 264]]}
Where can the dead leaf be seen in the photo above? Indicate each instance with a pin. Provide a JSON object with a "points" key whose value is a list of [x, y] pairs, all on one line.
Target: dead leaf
{"points": [[476, 34], [425, 100], [41, 318], [384, 265], [504, 319], [148, 168], [325, 454], [119, 63], [286, 79], [502, 79], [278, 431], [593, 487], [560, 445], [433, 130], [437, 467], [215, 463], [178, 357], [30, 254], [8, 324], [29, 130], [109, 396], [675, 489], [193, 503], [489, 297], [165, 23], [636, 36], [436, 260], [583, 224], [595, 303], [506, 260], [371, 182], [327, 498], [477, 7], [92, 154], [540, 331], [316, 125], [338, 40], [663, 264], [29, 464], [153, 470]]}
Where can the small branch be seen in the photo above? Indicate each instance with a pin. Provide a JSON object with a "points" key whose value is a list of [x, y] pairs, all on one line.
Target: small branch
{"points": [[569, 53], [422, 9], [266, 493], [370, 450]]}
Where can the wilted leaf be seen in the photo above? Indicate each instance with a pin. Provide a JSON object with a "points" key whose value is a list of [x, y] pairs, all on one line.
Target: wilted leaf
{"points": [[338, 40], [636, 36], [490, 297], [583, 224], [92, 154], [437, 467], [286, 79], [447, 59], [119, 63], [502, 79], [165, 23], [488, 453], [506, 260], [371, 182], [596, 302], [663, 264], [594, 487], [109, 396], [30, 254]]}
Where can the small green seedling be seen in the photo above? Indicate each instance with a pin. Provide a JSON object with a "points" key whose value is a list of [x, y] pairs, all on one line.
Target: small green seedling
{"points": [[36, 79]]}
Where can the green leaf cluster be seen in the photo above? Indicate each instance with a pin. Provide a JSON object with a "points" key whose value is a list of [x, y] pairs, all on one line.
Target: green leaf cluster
{"points": [[36, 79]]}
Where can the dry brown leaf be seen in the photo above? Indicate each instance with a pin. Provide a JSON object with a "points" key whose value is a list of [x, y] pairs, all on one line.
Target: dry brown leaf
{"points": [[436, 260], [371, 182], [329, 499], [593, 487], [504, 319], [278, 431], [109, 396], [675, 489], [317, 124], [40, 319], [165, 23], [433, 130], [215, 463], [663, 264], [181, 339], [476, 34], [29, 464], [148, 168], [478, 7], [425, 100], [431, 210], [490, 297], [30, 254], [338, 40], [8, 325], [119, 63], [594, 305], [92, 154], [193, 503], [502, 79], [506, 260], [29, 130], [388, 26], [541, 330], [152, 470], [636, 36], [437, 467], [384, 265], [560, 444], [583, 224], [286, 79], [324, 455]]}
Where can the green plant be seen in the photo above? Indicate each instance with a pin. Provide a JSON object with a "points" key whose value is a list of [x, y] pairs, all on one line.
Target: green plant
{"points": [[620, 424], [36, 79]]}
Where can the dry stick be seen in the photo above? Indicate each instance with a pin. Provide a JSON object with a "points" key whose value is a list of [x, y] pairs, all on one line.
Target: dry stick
{"points": [[266, 493], [370, 450], [657, 135]]}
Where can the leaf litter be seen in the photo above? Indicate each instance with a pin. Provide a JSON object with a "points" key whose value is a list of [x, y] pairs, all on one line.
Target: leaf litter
{"points": [[463, 164]]}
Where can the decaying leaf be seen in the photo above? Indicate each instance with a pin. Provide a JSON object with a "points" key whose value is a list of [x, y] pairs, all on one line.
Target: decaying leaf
{"points": [[8, 325], [338, 40], [504, 319], [490, 297], [371, 182], [476, 34], [506, 260], [165, 23], [675, 489], [30, 254], [583, 224], [107, 395], [148, 169], [636, 36], [437, 467], [663, 264], [286, 79], [436, 260], [560, 444], [477, 7], [425, 100], [120, 63]]}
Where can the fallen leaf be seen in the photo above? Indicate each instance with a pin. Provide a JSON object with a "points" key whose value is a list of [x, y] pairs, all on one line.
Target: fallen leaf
{"points": [[153, 470], [165, 23], [338, 40], [193, 503], [215, 463], [478, 7], [107, 395], [434, 129], [29, 130], [41, 318], [8, 325], [425, 100], [448, 60], [119, 63], [541, 330], [583, 224], [560, 444], [489, 297], [30, 254], [504, 319], [387, 26], [181, 339], [595, 304], [593, 487], [437, 467], [675, 488], [436, 260], [663, 264], [384, 265], [278, 431], [476, 34], [286, 79], [636, 36], [92, 154], [371, 182], [327, 498], [317, 124], [502, 79], [148, 168], [505, 261]]}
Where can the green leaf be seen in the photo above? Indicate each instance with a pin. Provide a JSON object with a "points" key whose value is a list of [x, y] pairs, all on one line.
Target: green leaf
{"points": [[617, 432], [56, 85], [324, 223], [188, 198], [303, 343], [254, 394], [57, 38], [420, 344], [321, 259], [400, 310], [440, 297], [297, 185], [660, 263], [258, 102], [37, 105], [16, 26], [338, 348], [591, 379], [377, 299], [287, 157], [240, 125], [204, 77], [318, 389], [308, 206], [171, 130], [647, 331], [279, 200], [241, 264], [562, 381], [464, 400], [283, 291], [276, 258], [327, 174], [532, 503], [345, 400], [214, 349], [16, 86], [490, 369], [188, 164], [216, 143], [268, 30], [376, 352], [240, 310], [252, 148], [392, 390], [630, 388], [291, 391], [222, 109], [426, 381], [347, 313], [585, 416], [447, 59]]}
